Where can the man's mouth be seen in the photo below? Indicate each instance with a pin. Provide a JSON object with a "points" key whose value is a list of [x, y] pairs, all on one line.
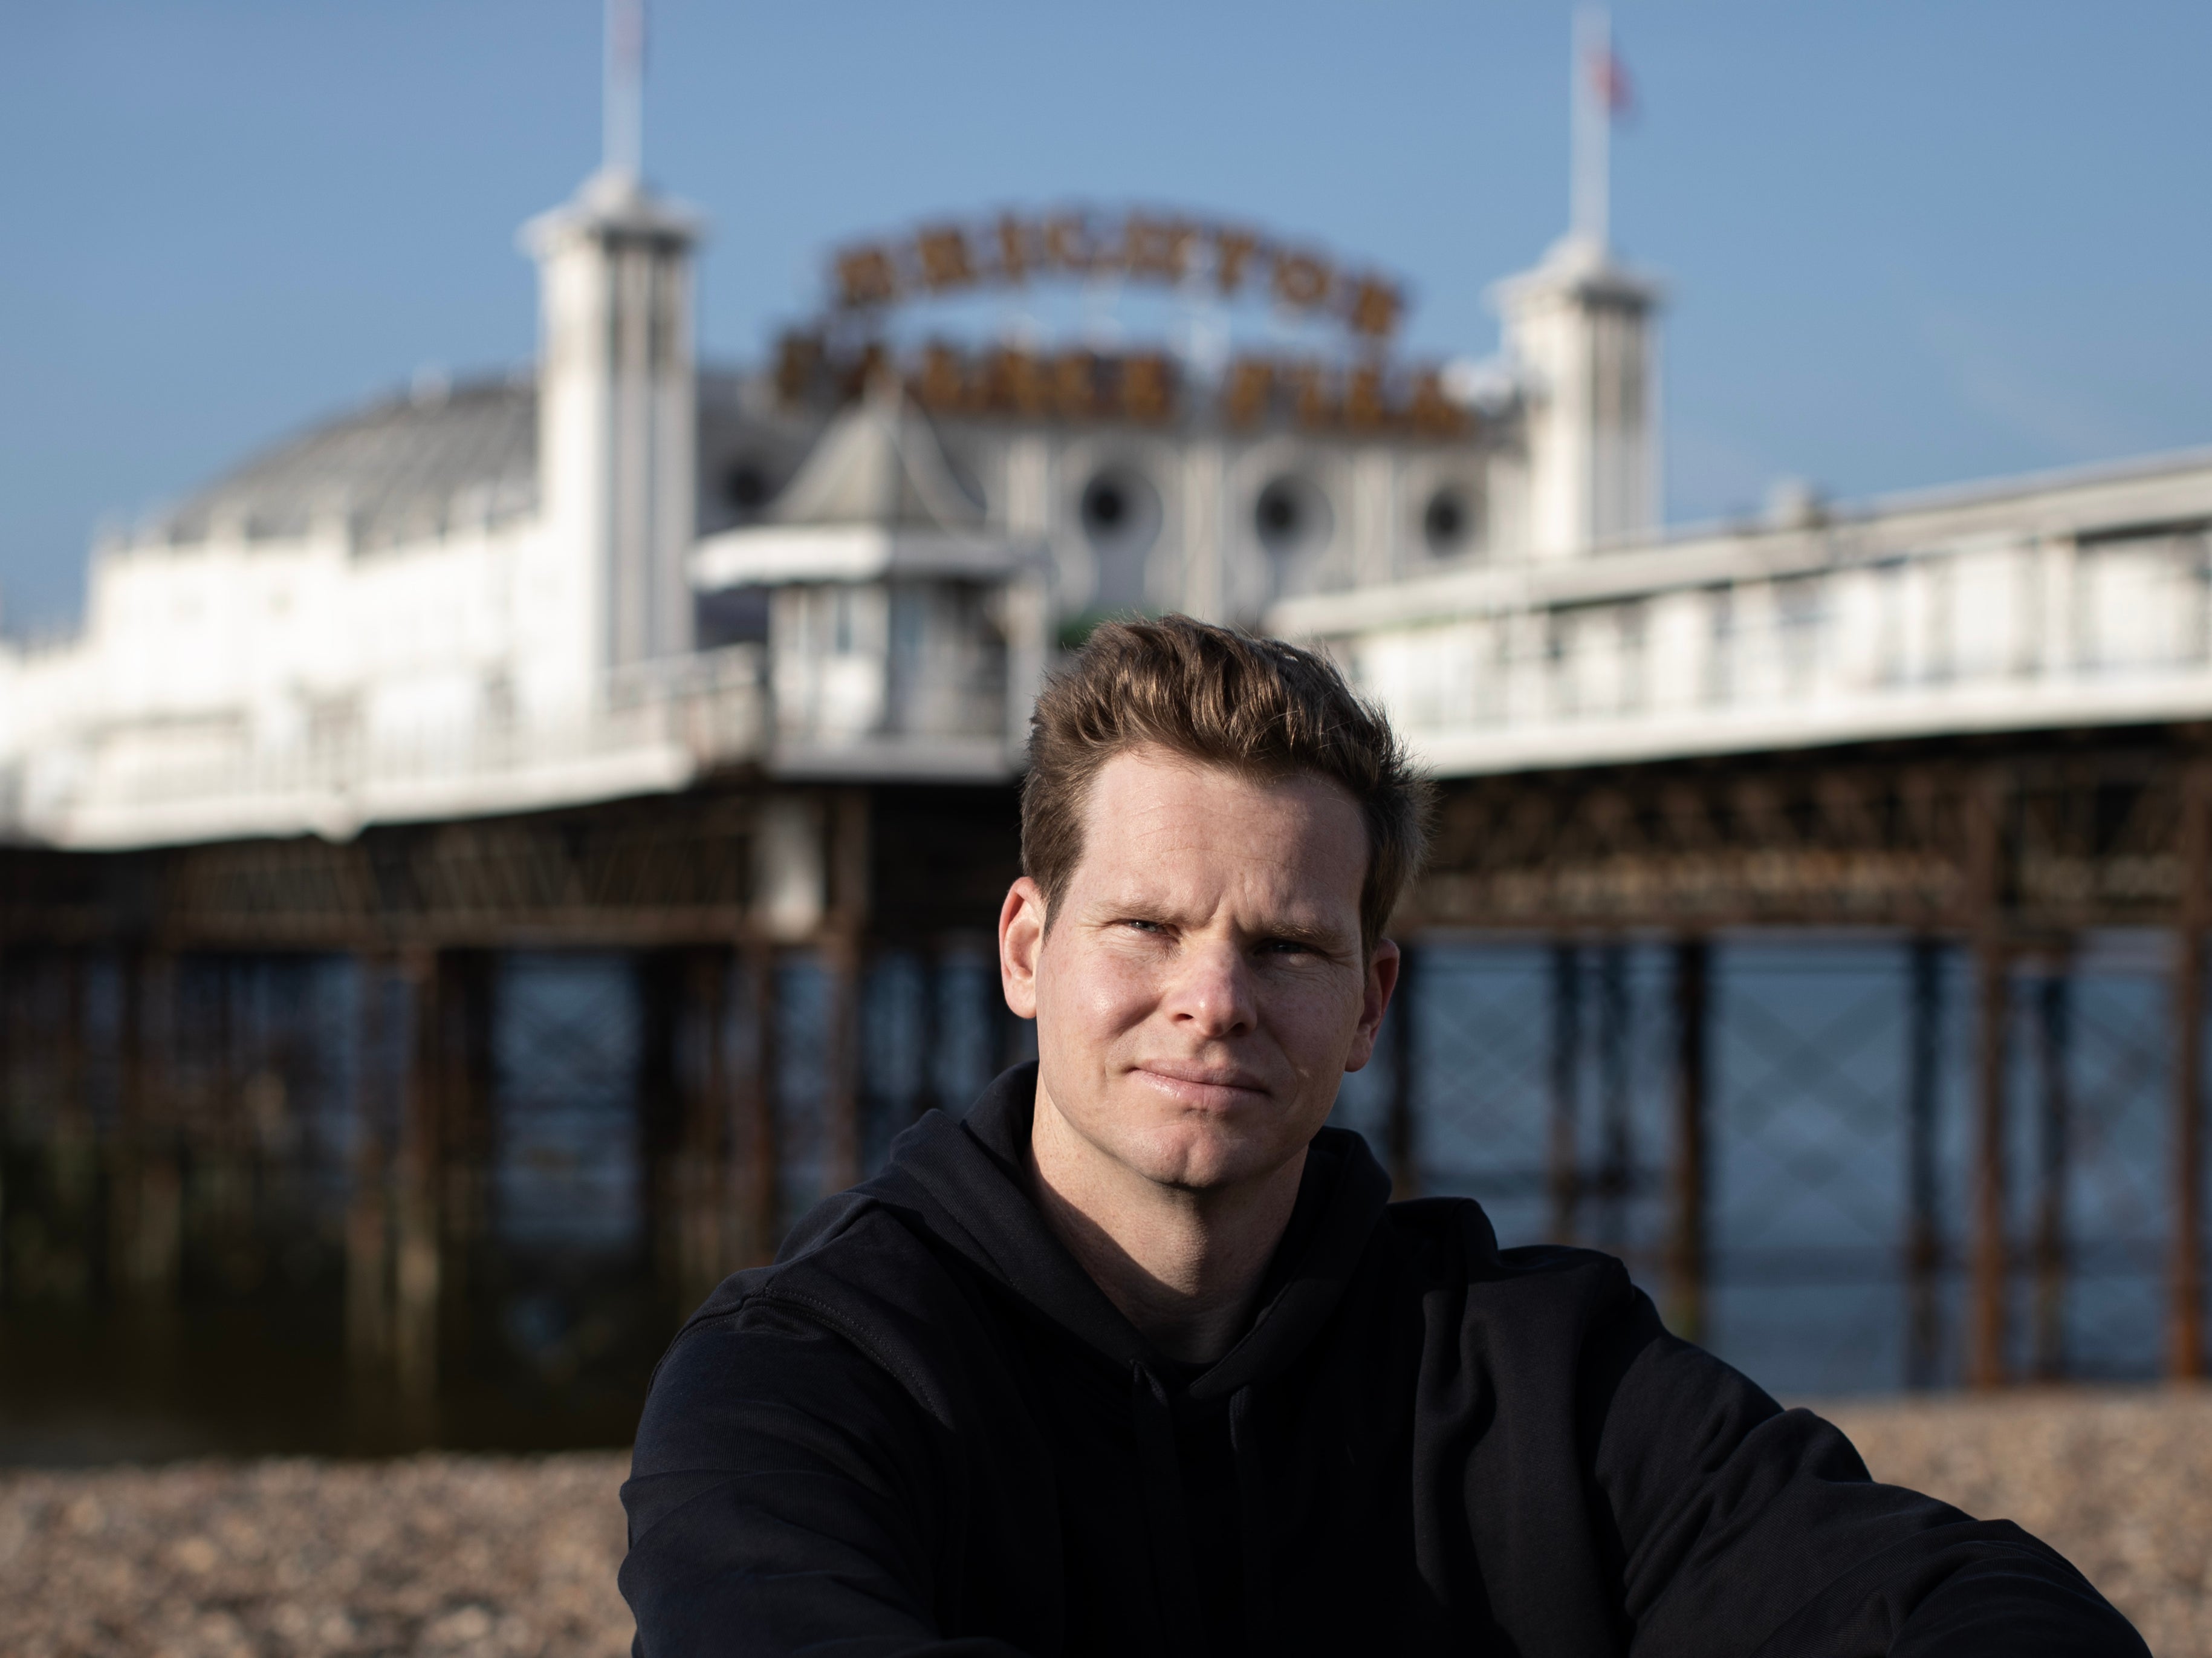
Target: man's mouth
{"points": [[1207, 1087]]}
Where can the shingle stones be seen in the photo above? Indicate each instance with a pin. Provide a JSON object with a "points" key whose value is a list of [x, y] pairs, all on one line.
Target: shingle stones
{"points": [[482, 1555]]}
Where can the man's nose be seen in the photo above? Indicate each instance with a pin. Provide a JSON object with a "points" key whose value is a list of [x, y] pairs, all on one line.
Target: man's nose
{"points": [[1213, 992]]}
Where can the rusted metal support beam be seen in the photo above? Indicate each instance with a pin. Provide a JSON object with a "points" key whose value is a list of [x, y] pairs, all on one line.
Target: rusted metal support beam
{"points": [[1986, 801], [219, 1242], [2185, 1357], [660, 1123], [2054, 1137], [148, 1241], [1616, 1153], [1687, 1240], [756, 1170], [1990, 1270], [1401, 1127], [73, 1158], [1562, 1171], [10, 1045], [929, 1031], [843, 952], [704, 1081], [466, 990], [368, 1211], [417, 1265], [841, 962], [684, 1096], [1924, 1235]]}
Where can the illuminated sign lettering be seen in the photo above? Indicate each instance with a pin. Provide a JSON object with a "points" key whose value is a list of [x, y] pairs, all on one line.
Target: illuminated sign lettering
{"points": [[1139, 387], [950, 257]]}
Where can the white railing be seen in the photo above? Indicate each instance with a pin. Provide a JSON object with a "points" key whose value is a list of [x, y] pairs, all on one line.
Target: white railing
{"points": [[652, 727], [1997, 633]]}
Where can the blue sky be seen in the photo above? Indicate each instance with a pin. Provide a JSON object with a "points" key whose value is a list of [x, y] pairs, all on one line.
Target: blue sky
{"points": [[1907, 243]]}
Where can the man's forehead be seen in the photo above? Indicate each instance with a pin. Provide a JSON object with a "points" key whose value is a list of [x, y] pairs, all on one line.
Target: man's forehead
{"points": [[1169, 827], [1161, 783]]}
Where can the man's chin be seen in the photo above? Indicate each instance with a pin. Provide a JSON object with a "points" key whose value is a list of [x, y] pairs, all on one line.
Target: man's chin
{"points": [[1208, 1158]]}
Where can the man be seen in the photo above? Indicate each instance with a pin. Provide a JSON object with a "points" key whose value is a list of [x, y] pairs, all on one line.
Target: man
{"points": [[1138, 1358]]}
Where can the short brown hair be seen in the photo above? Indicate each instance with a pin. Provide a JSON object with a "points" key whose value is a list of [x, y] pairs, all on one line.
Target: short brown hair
{"points": [[1221, 697]]}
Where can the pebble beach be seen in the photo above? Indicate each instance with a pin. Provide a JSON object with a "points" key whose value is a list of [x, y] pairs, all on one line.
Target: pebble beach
{"points": [[455, 1555]]}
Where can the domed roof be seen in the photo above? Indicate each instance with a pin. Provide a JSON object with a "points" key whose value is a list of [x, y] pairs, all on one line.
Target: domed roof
{"points": [[399, 470]]}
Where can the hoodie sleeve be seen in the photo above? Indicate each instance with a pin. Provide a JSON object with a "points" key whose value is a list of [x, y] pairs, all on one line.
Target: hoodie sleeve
{"points": [[1746, 1528], [777, 1501]]}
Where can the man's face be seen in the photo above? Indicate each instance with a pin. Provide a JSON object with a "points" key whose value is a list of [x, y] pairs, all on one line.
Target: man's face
{"points": [[1199, 992]]}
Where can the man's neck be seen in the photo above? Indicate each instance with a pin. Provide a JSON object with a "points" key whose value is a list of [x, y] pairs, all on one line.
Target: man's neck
{"points": [[1184, 1267]]}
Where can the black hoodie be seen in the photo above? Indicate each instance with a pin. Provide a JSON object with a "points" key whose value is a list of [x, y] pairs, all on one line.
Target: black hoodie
{"points": [[926, 1430]]}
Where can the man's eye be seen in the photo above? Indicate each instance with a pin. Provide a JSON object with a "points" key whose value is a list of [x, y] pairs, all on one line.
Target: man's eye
{"points": [[1138, 925], [1285, 947]]}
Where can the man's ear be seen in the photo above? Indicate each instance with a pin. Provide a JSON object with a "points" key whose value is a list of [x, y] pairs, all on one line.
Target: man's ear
{"points": [[1021, 938], [1374, 999]]}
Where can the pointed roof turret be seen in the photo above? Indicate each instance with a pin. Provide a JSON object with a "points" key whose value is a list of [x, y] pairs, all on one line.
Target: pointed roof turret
{"points": [[877, 497], [879, 463]]}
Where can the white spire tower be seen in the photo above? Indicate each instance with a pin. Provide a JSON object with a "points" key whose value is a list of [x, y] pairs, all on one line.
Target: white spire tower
{"points": [[617, 410], [1578, 329]]}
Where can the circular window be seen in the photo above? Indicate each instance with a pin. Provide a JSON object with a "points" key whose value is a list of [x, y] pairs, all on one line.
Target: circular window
{"points": [[1105, 506], [1451, 521], [744, 486], [1444, 520], [1290, 516]]}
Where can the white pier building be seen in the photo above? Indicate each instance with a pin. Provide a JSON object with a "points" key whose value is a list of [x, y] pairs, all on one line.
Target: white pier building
{"points": [[621, 570]]}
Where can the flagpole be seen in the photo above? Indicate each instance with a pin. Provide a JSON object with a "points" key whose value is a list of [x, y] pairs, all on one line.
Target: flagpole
{"points": [[1589, 209], [621, 136]]}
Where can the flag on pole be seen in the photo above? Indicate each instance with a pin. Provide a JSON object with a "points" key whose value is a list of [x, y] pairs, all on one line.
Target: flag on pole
{"points": [[629, 37], [1608, 82]]}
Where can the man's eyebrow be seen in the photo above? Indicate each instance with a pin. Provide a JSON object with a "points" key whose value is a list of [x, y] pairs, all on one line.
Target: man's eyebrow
{"points": [[1317, 934]]}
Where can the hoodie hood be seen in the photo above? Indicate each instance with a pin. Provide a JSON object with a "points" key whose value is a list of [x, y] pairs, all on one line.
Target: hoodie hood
{"points": [[967, 1182]]}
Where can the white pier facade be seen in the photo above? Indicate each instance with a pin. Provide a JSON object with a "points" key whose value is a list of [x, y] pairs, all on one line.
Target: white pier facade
{"points": [[620, 572], [2070, 599]]}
